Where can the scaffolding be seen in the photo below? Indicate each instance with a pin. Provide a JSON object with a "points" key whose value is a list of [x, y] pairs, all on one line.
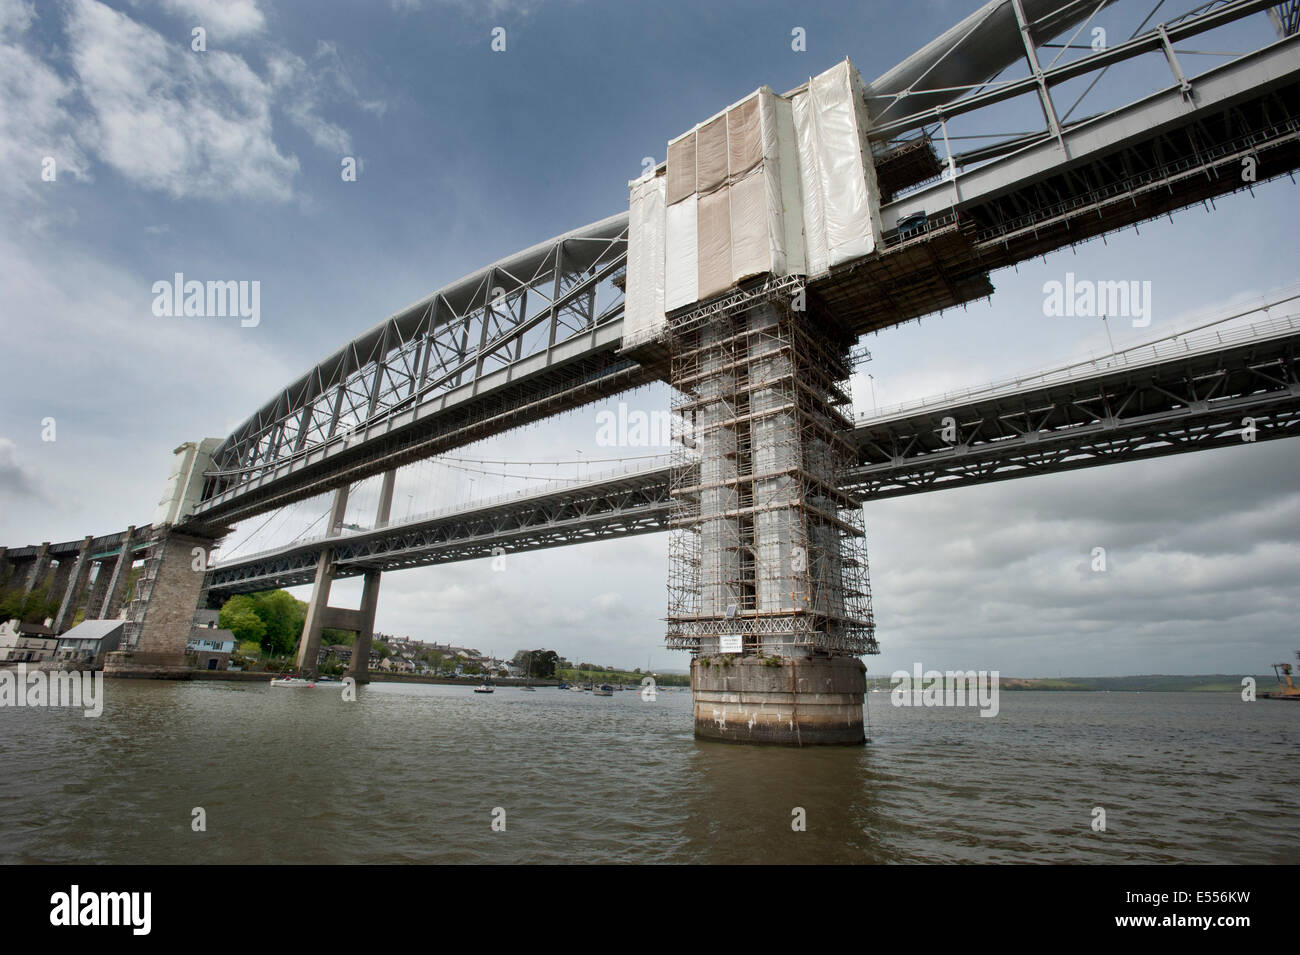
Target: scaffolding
{"points": [[764, 544], [138, 604]]}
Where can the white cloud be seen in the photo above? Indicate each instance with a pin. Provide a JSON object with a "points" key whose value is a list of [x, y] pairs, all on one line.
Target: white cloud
{"points": [[17, 480], [483, 8], [167, 118], [193, 125], [306, 88], [35, 122], [221, 18], [107, 465]]}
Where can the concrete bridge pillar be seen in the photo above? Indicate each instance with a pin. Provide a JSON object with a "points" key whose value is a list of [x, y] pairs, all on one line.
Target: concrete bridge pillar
{"points": [[72, 593], [115, 588], [39, 571], [161, 614], [359, 667], [318, 606], [768, 584]]}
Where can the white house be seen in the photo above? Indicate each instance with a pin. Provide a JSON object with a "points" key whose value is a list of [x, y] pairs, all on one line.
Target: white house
{"points": [[27, 642]]}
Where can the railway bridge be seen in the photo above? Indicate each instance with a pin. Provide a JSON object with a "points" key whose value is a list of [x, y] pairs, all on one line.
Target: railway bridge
{"points": [[742, 273]]}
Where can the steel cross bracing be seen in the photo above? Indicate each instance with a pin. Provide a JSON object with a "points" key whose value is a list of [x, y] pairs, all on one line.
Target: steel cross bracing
{"points": [[530, 336], [1286, 17], [524, 338], [1035, 193], [615, 505], [1225, 390], [1169, 398]]}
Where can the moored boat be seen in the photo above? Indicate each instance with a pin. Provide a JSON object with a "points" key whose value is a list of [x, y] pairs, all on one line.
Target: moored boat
{"points": [[292, 681]]}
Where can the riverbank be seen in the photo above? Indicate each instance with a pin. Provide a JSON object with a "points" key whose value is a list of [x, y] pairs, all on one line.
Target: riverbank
{"points": [[375, 677]]}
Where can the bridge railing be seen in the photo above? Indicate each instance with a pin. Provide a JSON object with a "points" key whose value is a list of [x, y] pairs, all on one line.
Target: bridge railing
{"points": [[1170, 346]]}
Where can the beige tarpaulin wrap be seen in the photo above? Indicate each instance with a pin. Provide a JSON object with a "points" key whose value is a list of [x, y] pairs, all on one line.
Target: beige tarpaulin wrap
{"points": [[742, 198], [770, 186]]}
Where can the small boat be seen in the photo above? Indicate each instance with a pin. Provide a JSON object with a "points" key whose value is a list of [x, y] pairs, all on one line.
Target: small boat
{"points": [[603, 690], [577, 689], [485, 688], [291, 681]]}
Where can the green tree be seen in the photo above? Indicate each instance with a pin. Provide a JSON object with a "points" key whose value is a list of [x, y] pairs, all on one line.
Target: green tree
{"points": [[542, 663], [29, 608], [242, 620], [279, 614], [329, 637], [284, 617]]}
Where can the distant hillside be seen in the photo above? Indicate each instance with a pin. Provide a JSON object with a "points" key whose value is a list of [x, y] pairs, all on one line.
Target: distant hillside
{"points": [[1151, 683]]}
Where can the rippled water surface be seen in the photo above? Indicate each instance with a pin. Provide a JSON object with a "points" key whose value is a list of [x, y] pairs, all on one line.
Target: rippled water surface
{"points": [[413, 773]]}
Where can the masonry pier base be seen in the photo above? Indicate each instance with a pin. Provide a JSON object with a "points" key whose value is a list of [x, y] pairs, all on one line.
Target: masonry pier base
{"points": [[786, 701], [161, 614]]}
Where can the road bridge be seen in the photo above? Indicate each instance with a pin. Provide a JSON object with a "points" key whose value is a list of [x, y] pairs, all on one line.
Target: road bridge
{"points": [[1175, 395], [1221, 389], [1218, 388]]}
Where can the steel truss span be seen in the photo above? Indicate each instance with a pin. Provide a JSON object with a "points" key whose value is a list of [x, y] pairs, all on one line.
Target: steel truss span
{"points": [[528, 337], [540, 332], [616, 505], [1227, 390], [1179, 398]]}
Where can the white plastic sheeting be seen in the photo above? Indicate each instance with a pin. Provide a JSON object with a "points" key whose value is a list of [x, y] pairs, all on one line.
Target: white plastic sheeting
{"points": [[643, 311], [682, 274], [771, 185], [841, 201]]}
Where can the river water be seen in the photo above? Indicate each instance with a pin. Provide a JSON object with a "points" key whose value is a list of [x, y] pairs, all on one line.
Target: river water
{"points": [[414, 773]]}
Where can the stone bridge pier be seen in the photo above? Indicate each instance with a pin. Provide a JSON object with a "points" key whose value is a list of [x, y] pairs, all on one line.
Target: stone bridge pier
{"points": [[170, 588], [160, 615]]}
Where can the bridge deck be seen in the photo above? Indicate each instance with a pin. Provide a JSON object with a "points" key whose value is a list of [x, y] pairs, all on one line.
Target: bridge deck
{"points": [[1155, 400]]}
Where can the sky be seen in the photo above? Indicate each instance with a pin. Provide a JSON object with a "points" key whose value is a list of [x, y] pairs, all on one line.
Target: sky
{"points": [[224, 163]]}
